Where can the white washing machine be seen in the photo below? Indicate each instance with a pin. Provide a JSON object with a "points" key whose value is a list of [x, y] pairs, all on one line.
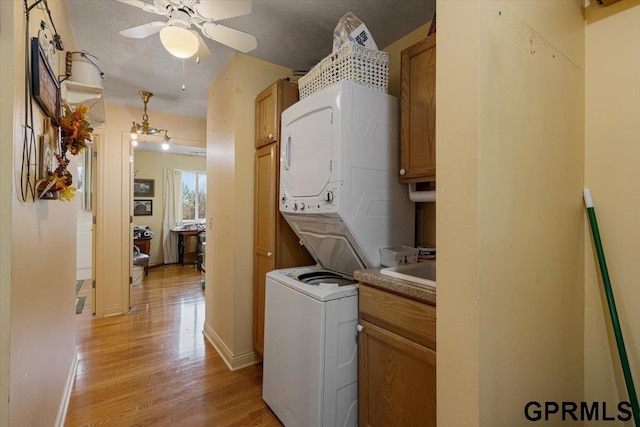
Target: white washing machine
{"points": [[310, 365]]}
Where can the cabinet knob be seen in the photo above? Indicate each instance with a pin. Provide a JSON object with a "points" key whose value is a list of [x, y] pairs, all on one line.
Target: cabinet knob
{"points": [[270, 136], [402, 171], [269, 254], [359, 328], [329, 198]]}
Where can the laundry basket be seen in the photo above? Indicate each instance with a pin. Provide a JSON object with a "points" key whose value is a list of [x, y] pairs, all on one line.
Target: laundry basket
{"points": [[368, 67]]}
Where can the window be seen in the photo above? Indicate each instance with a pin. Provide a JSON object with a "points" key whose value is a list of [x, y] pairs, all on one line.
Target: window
{"points": [[194, 196]]}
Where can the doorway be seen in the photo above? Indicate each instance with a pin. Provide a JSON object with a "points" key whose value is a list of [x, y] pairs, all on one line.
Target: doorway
{"points": [[162, 191]]}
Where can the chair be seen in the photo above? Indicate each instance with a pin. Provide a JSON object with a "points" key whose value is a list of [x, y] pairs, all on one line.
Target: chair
{"points": [[140, 259]]}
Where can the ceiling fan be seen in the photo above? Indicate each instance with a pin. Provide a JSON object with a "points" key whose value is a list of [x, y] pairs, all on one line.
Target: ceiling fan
{"points": [[176, 34]]}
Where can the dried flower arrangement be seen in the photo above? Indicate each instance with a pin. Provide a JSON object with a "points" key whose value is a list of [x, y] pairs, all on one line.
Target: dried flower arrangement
{"points": [[75, 133]]}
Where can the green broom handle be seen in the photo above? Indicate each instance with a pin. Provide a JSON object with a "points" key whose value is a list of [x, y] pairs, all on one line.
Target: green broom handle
{"points": [[615, 322]]}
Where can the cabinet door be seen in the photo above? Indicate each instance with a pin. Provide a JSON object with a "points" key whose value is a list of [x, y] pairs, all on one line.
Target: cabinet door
{"points": [[264, 223], [269, 106], [418, 112], [397, 380], [267, 116]]}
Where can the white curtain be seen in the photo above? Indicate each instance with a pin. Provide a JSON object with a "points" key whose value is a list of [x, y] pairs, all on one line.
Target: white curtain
{"points": [[172, 215]]}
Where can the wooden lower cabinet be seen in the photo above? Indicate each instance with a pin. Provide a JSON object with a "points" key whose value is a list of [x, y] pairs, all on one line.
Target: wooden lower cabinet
{"points": [[264, 222], [275, 244], [262, 264], [397, 375]]}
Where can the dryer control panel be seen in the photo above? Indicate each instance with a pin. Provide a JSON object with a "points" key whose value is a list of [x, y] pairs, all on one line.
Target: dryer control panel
{"points": [[326, 202]]}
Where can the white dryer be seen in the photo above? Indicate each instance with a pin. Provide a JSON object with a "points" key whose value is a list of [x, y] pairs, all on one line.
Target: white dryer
{"points": [[339, 186]]}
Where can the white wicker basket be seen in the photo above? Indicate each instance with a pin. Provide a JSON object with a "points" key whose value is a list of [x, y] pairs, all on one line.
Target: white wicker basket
{"points": [[362, 65]]}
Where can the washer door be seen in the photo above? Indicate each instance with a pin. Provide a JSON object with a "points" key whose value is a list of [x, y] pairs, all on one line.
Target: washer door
{"points": [[332, 251]]}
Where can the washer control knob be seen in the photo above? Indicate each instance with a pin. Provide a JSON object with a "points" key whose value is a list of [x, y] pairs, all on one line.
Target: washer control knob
{"points": [[329, 196], [295, 206], [283, 199]]}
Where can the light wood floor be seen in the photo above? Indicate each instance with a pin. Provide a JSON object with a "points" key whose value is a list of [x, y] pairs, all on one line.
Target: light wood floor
{"points": [[154, 366]]}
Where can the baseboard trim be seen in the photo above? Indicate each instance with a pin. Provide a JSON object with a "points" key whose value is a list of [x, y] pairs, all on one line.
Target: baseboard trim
{"points": [[112, 310], [68, 388], [233, 362]]}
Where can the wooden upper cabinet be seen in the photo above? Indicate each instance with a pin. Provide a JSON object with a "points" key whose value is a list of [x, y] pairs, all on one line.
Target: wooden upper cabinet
{"points": [[418, 112], [269, 105]]}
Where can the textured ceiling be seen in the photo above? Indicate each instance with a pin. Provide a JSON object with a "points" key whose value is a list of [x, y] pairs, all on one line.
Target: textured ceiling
{"points": [[293, 33]]}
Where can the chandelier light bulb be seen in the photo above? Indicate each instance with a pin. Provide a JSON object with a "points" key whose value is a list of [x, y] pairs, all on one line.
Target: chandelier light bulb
{"points": [[134, 142], [165, 146], [179, 41]]}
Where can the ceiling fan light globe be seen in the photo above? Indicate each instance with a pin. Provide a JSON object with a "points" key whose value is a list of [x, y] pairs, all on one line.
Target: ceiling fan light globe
{"points": [[179, 41]]}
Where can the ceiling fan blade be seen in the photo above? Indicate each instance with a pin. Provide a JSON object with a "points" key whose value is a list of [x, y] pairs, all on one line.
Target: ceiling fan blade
{"points": [[144, 30], [235, 39], [223, 9], [140, 4], [203, 49]]}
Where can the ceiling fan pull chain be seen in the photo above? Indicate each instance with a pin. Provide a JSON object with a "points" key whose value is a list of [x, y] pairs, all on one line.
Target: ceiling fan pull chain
{"points": [[183, 86]]}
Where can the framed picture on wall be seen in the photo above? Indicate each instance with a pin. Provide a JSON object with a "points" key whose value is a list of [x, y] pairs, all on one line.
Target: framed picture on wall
{"points": [[44, 83], [142, 207], [143, 187]]}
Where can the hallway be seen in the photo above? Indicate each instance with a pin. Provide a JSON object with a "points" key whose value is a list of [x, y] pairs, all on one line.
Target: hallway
{"points": [[153, 366]]}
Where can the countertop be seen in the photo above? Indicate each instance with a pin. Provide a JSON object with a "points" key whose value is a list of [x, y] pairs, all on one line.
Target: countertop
{"points": [[416, 291]]}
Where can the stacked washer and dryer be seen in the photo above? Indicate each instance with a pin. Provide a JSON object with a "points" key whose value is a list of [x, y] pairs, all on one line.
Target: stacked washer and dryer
{"points": [[340, 193]]}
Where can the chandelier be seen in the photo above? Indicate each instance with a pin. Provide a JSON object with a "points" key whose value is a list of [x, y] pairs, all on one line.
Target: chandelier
{"points": [[145, 128]]}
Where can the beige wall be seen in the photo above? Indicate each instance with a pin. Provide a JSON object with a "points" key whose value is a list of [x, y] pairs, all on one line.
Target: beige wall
{"points": [[7, 93], [39, 274], [152, 165], [230, 163], [458, 328], [612, 153], [113, 194], [509, 214]]}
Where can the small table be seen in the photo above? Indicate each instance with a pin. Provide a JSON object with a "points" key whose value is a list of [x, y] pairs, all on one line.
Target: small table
{"points": [[181, 234]]}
